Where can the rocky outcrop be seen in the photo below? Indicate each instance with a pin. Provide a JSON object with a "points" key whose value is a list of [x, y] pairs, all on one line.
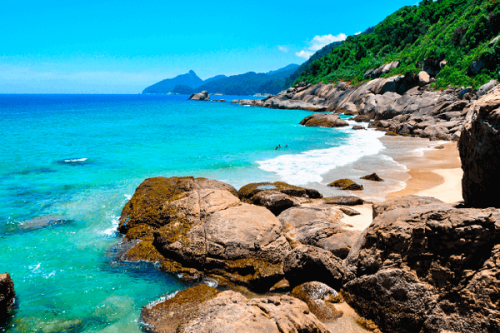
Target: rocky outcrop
{"points": [[306, 263], [204, 309], [430, 268], [384, 69], [7, 295], [486, 88], [396, 104], [320, 226], [202, 96], [323, 120], [346, 185], [479, 148], [198, 226]]}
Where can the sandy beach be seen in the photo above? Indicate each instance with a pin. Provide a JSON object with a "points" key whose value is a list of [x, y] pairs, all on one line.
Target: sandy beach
{"points": [[433, 172]]}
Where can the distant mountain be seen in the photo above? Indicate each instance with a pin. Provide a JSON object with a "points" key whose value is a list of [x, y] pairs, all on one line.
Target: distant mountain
{"points": [[218, 77], [284, 69], [190, 79], [249, 83]]}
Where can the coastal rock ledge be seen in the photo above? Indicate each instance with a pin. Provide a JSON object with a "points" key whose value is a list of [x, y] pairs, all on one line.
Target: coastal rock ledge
{"points": [[428, 268], [199, 227], [205, 309], [7, 295]]}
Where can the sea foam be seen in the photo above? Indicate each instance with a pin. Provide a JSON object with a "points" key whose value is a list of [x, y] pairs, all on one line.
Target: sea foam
{"points": [[309, 166]]}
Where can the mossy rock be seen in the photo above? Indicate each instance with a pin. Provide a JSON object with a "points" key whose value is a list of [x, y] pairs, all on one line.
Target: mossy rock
{"points": [[144, 250], [320, 298], [346, 184], [184, 305], [391, 133]]}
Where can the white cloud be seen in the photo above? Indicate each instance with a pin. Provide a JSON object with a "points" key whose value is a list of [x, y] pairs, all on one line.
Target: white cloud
{"points": [[304, 54], [357, 33], [283, 48], [318, 42]]}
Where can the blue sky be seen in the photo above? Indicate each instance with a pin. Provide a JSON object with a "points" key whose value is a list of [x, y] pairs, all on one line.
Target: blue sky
{"points": [[123, 46]]}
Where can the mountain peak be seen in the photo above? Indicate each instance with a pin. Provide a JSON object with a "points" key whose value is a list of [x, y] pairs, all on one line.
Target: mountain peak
{"points": [[192, 72]]}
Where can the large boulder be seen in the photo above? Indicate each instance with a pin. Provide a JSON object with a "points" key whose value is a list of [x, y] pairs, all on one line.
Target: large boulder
{"points": [[275, 201], [204, 309], [486, 88], [323, 120], [321, 226], [202, 96], [308, 263], [199, 226], [479, 147], [403, 202], [7, 295], [430, 268]]}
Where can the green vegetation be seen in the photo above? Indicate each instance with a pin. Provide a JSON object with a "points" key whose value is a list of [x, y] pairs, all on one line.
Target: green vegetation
{"points": [[458, 31]]}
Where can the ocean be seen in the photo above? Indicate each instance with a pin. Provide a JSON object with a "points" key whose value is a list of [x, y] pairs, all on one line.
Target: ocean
{"points": [[69, 163]]}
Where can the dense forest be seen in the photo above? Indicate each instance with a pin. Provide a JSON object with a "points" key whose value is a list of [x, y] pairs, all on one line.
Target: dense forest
{"points": [[458, 31]]}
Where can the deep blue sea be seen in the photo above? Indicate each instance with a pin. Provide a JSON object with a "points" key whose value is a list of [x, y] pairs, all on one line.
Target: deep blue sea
{"points": [[68, 164]]}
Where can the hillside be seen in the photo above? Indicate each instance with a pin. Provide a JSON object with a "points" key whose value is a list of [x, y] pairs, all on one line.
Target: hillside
{"points": [[189, 79], [249, 83], [458, 31]]}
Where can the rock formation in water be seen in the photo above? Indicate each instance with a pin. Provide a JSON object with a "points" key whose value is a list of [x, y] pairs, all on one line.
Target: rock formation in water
{"points": [[202, 96], [323, 120], [7, 295]]}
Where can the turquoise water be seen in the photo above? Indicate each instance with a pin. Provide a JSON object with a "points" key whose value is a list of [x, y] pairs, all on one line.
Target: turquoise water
{"points": [[68, 163]]}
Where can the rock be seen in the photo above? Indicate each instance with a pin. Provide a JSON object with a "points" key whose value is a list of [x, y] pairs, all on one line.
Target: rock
{"points": [[199, 227], [235, 101], [355, 127], [429, 268], [349, 211], [464, 91], [423, 78], [321, 226], [275, 201], [204, 309], [494, 40], [247, 192], [476, 67], [348, 200], [306, 263], [348, 109], [485, 88], [7, 295], [323, 120], [346, 184], [373, 177], [202, 96], [443, 64], [403, 202], [479, 148], [320, 299], [361, 118]]}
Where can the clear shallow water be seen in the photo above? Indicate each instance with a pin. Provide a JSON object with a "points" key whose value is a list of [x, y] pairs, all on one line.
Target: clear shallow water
{"points": [[72, 161]]}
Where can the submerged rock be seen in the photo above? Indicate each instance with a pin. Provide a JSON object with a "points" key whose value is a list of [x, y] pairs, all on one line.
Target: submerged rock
{"points": [[346, 184], [479, 148], [7, 295], [431, 268], [323, 120], [204, 309]]}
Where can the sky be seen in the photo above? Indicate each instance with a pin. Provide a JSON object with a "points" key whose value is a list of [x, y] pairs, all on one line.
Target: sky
{"points": [[124, 46]]}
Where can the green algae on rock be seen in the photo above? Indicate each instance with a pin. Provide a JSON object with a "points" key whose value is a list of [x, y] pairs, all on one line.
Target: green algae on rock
{"points": [[346, 184]]}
